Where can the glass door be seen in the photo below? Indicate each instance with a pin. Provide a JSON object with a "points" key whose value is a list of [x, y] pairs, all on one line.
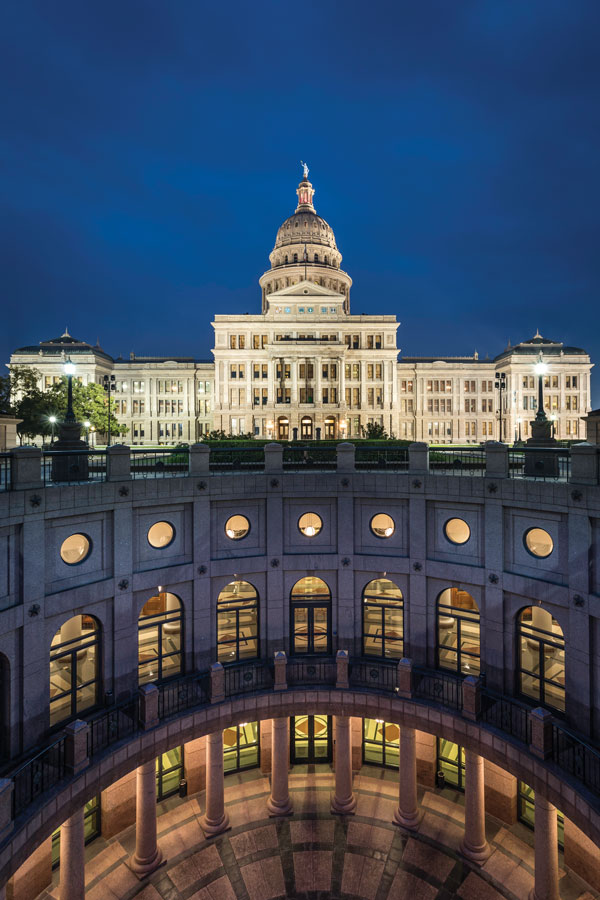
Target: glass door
{"points": [[310, 629], [310, 739]]}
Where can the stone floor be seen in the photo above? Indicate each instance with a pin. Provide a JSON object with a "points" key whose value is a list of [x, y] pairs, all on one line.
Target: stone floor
{"points": [[316, 855]]}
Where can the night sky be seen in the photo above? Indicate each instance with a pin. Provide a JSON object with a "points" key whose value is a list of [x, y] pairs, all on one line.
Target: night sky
{"points": [[150, 150]]}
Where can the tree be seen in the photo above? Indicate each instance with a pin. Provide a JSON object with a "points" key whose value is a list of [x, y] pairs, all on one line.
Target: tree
{"points": [[21, 397], [90, 403], [375, 432]]}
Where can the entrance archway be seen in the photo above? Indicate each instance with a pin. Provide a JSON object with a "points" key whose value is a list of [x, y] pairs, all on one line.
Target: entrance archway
{"points": [[283, 428], [306, 428]]}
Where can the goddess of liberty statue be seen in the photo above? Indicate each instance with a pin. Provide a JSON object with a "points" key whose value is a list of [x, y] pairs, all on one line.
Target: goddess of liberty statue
{"points": [[305, 169]]}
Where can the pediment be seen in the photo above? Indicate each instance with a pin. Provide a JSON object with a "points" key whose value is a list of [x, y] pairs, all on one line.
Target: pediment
{"points": [[305, 289]]}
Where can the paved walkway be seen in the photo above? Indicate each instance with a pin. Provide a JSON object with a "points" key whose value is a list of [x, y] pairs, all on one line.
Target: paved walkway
{"points": [[316, 855]]}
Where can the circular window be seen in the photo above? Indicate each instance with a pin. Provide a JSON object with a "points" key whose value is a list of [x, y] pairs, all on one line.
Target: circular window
{"points": [[160, 535], [457, 531], [538, 542], [237, 527], [310, 524], [75, 549], [382, 525]]}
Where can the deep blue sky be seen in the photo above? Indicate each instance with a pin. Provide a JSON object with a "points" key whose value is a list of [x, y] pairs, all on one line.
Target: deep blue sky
{"points": [[150, 151]]}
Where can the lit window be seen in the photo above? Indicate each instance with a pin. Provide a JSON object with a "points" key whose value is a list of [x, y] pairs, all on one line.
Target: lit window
{"points": [[458, 632], [241, 747], [160, 535], [237, 622], [237, 527], [382, 525], [383, 623], [75, 549], [541, 657], [538, 542], [310, 524], [457, 531], [159, 638], [74, 668]]}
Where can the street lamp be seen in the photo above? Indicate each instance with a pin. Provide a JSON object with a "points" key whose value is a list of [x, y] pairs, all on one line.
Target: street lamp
{"points": [[519, 424], [87, 424], [52, 420], [92, 432], [540, 370], [110, 386], [69, 369], [500, 386]]}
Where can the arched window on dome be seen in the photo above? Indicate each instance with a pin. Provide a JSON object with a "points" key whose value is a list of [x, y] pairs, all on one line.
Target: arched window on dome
{"points": [[316, 257], [326, 260], [295, 257], [286, 259], [458, 632], [541, 646]]}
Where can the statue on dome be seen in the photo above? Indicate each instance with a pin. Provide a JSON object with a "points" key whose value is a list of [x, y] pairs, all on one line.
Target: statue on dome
{"points": [[305, 169]]}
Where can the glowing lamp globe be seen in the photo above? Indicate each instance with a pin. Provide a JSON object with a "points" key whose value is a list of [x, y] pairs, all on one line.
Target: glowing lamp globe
{"points": [[540, 368], [69, 368]]}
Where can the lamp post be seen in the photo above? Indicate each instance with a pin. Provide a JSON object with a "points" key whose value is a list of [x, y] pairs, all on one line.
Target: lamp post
{"points": [[72, 464], [542, 463], [87, 425], [110, 386], [519, 424], [52, 420], [540, 370], [92, 432], [69, 369], [500, 387]]}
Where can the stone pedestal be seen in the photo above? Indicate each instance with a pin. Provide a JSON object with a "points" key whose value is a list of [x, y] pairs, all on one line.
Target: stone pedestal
{"points": [[407, 813], [215, 820], [343, 801], [279, 803], [546, 851], [72, 858], [474, 845], [147, 856]]}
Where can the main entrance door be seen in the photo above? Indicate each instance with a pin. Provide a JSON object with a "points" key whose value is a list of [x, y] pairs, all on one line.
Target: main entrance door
{"points": [[329, 427], [310, 739], [283, 428], [306, 428]]}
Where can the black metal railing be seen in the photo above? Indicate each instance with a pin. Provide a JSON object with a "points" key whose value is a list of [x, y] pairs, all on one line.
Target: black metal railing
{"points": [[243, 678], [38, 775], [182, 694], [306, 456], [507, 715], [444, 688], [5, 471], [368, 458], [540, 463], [376, 674], [237, 459], [73, 466], [576, 758], [461, 461], [112, 725], [164, 463], [311, 671]]}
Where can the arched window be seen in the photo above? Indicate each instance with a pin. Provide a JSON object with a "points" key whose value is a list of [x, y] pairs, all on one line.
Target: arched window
{"points": [[74, 669], [160, 628], [286, 259], [237, 622], [458, 632], [383, 625], [295, 257], [316, 257], [326, 260], [541, 657], [310, 616]]}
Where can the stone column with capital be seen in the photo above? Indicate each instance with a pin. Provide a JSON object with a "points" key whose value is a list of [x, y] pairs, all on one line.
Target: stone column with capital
{"points": [[546, 851], [279, 803], [215, 819], [343, 800], [474, 845], [72, 858], [148, 855], [407, 813]]}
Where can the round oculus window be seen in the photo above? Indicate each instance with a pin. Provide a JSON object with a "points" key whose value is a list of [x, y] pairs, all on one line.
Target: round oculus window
{"points": [[237, 527], [382, 525], [75, 549], [160, 535], [457, 531], [538, 542], [310, 524]]}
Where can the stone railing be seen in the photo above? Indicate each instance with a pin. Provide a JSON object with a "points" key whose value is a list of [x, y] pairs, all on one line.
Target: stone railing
{"points": [[32, 468], [82, 742]]}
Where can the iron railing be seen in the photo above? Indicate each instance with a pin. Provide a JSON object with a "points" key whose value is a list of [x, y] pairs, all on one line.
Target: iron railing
{"points": [[112, 725], [368, 458], [460, 461], [576, 758], [73, 466], [443, 688], [243, 678], [307, 456], [165, 463], [311, 671], [182, 694], [540, 463], [38, 775], [5, 471], [375, 674], [236, 459], [507, 715]]}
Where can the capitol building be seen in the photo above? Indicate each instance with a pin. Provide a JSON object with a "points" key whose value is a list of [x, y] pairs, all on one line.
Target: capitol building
{"points": [[308, 368]]}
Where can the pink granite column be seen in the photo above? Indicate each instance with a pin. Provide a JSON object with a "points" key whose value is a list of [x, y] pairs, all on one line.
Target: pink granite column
{"points": [[72, 859], [343, 801], [215, 819], [279, 803], [546, 851], [474, 845], [407, 813], [148, 855]]}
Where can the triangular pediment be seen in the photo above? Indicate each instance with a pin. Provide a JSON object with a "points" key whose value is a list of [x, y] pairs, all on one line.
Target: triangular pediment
{"points": [[305, 289]]}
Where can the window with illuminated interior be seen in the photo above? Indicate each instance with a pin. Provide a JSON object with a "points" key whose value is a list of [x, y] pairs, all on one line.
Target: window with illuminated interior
{"points": [[241, 747], [74, 669], [541, 653], [383, 619], [458, 632], [381, 743], [237, 622], [160, 627], [310, 616]]}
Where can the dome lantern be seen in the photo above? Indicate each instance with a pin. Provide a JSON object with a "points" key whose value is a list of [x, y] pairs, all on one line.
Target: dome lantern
{"points": [[305, 193]]}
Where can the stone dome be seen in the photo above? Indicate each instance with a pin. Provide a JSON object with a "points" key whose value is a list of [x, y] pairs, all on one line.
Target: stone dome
{"points": [[305, 229], [305, 226]]}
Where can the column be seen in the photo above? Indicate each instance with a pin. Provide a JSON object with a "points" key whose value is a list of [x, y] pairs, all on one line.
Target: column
{"points": [[148, 855], [72, 858], [343, 801], [215, 819], [279, 803], [474, 845], [546, 851], [407, 813]]}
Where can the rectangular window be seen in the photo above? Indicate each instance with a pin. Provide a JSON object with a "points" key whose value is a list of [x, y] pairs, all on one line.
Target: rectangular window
{"points": [[241, 747], [451, 762], [138, 387], [169, 772]]}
